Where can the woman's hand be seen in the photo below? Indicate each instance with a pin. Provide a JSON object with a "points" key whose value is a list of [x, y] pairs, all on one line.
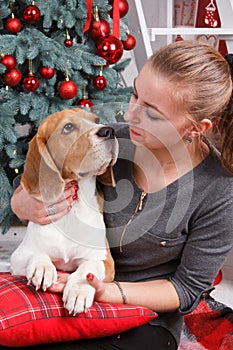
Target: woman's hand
{"points": [[59, 286], [62, 278], [100, 287], [101, 293], [28, 208]]}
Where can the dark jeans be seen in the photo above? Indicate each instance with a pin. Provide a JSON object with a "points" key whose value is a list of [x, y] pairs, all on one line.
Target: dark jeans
{"points": [[144, 337]]}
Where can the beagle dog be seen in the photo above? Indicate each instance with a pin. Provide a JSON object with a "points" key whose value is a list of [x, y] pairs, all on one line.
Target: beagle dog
{"points": [[68, 145]]}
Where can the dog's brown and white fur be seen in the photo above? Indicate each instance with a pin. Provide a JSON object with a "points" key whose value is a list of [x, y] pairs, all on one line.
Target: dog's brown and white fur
{"points": [[68, 145]]}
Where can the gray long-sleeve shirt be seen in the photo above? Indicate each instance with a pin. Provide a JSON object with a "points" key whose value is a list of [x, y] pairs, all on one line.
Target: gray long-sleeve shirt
{"points": [[183, 232]]}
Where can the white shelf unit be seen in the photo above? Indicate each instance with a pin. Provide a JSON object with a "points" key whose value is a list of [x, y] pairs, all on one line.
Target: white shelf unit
{"points": [[151, 22]]}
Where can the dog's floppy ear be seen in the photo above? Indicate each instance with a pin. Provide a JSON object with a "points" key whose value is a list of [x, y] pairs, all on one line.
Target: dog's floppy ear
{"points": [[107, 178], [41, 177]]}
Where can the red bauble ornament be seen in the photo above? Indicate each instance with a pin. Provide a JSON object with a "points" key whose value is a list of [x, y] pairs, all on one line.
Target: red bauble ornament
{"points": [[110, 48], [31, 14], [129, 43], [68, 89], [68, 42], [179, 38], [31, 83], [123, 7], [85, 102], [47, 72], [99, 82], [12, 77], [13, 25], [99, 28], [8, 61]]}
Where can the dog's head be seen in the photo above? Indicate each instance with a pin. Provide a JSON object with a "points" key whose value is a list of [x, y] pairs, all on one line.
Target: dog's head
{"points": [[68, 145]]}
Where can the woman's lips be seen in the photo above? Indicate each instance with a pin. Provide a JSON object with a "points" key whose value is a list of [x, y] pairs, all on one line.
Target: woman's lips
{"points": [[134, 132]]}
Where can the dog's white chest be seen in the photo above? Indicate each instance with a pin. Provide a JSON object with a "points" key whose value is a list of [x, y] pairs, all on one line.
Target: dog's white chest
{"points": [[84, 224], [79, 235]]}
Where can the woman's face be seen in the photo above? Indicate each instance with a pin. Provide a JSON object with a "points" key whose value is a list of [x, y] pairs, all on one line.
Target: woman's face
{"points": [[154, 118]]}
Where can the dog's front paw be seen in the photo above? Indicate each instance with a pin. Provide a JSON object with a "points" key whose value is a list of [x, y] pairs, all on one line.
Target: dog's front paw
{"points": [[41, 273], [78, 295]]}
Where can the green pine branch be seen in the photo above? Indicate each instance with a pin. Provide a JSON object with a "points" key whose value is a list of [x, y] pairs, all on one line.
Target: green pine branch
{"points": [[43, 44]]}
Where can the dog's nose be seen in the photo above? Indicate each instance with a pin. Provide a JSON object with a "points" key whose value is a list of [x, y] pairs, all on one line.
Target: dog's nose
{"points": [[107, 132]]}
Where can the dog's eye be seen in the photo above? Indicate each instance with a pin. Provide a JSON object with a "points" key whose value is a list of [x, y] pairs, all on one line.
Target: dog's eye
{"points": [[69, 127]]}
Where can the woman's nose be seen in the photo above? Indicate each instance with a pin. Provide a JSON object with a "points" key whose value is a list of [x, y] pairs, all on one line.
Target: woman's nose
{"points": [[134, 113]]}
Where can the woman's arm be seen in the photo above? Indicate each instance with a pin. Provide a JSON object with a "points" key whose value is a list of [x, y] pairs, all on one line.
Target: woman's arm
{"points": [[28, 208], [159, 295]]}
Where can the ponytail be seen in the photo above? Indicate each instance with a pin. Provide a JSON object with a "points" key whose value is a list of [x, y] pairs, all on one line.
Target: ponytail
{"points": [[226, 128]]}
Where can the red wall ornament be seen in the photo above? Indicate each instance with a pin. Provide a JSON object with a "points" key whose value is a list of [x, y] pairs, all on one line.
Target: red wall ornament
{"points": [[205, 10], [203, 21], [185, 12]]}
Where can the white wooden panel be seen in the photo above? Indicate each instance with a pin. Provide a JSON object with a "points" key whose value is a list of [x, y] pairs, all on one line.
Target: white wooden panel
{"points": [[155, 26]]}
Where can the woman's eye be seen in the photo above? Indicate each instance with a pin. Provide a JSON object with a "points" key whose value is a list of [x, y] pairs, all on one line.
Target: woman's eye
{"points": [[68, 128], [153, 116]]}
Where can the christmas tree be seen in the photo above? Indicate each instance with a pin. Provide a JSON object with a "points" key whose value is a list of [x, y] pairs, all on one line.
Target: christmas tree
{"points": [[56, 54]]}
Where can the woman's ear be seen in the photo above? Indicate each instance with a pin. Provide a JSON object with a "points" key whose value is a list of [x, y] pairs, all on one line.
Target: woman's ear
{"points": [[200, 128]]}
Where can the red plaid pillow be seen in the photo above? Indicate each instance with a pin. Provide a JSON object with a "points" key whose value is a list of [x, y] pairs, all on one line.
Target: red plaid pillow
{"points": [[29, 317]]}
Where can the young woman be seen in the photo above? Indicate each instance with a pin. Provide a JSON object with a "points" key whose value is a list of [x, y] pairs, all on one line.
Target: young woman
{"points": [[169, 219]]}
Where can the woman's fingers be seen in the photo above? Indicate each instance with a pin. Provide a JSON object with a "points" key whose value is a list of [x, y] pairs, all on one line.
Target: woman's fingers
{"points": [[62, 277], [59, 286], [97, 284], [47, 219], [57, 210]]}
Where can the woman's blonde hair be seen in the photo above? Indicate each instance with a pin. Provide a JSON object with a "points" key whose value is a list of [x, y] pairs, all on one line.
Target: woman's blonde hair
{"points": [[202, 85]]}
